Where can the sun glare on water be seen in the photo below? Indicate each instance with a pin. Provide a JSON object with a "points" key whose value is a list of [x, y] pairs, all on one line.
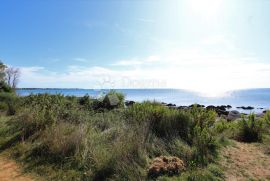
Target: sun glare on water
{"points": [[213, 92]]}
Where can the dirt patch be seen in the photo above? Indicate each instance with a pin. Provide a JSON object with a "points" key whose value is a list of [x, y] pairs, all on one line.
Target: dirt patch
{"points": [[244, 161], [10, 171]]}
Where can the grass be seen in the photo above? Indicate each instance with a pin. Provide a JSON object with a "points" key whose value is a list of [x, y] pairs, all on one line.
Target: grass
{"points": [[69, 138]]}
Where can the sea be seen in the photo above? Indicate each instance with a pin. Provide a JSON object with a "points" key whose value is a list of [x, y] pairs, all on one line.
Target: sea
{"points": [[257, 98]]}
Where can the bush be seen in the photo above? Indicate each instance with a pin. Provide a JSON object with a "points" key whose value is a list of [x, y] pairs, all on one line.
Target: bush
{"points": [[251, 129], [44, 110], [181, 149], [267, 117], [205, 145], [3, 106], [160, 120], [195, 127], [9, 102], [5, 88], [86, 101]]}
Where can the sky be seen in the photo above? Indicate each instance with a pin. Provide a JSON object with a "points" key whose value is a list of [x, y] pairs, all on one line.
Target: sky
{"points": [[208, 46]]}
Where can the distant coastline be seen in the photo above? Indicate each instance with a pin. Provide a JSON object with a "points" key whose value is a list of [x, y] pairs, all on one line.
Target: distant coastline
{"points": [[257, 98], [47, 88]]}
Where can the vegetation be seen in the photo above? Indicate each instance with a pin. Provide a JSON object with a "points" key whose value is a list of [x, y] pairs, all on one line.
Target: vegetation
{"points": [[2, 71], [69, 138], [9, 78]]}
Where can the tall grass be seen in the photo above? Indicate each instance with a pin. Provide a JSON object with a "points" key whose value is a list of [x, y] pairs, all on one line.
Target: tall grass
{"points": [[100, 139]]}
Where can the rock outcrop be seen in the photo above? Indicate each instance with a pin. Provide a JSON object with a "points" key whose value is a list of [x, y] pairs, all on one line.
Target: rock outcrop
{"points": [[233, 115], [245, 108], [129, 103]]}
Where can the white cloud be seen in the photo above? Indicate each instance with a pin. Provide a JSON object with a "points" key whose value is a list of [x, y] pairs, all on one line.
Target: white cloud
{"points": [[220, 40], [133, 61], [30, 70], [153, 58], [137, 61], [192, 69]]}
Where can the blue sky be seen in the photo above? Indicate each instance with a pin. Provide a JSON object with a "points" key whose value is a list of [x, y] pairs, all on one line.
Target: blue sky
{"points": [[202, 45]]}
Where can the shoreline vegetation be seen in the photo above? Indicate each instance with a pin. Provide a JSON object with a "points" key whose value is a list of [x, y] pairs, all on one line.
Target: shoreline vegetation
{"points": [[61, 137]]}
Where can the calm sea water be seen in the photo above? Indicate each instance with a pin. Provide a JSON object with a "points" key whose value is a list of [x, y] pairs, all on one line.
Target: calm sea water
{"points": [[258, 98]]}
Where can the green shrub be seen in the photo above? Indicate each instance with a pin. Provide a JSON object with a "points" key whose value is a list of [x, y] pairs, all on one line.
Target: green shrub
{"points": [[9, 102], [267, 117], [86, 101], [221, 126], [160, 120], [205, 145], [3, 106], [195, 127], [5, 88], [251, 129], [57, 107], [181, 149]]}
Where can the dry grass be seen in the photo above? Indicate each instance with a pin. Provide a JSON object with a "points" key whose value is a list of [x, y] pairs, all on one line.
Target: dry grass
{"points": [[245, 161]]}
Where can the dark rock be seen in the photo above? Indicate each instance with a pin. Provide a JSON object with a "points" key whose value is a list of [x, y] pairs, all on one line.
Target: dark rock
{"points": [[182, 107], [129, 103], [211, 107], [233, 115], [197, 105], [220, 110], [259, 108], [223, 108], [249, 108], [264, 111], [245, 108], [171, 105], [229, 106]]}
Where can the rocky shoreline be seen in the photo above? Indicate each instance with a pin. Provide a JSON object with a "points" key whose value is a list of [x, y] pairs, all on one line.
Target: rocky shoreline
{"points": [[224, 111]]}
